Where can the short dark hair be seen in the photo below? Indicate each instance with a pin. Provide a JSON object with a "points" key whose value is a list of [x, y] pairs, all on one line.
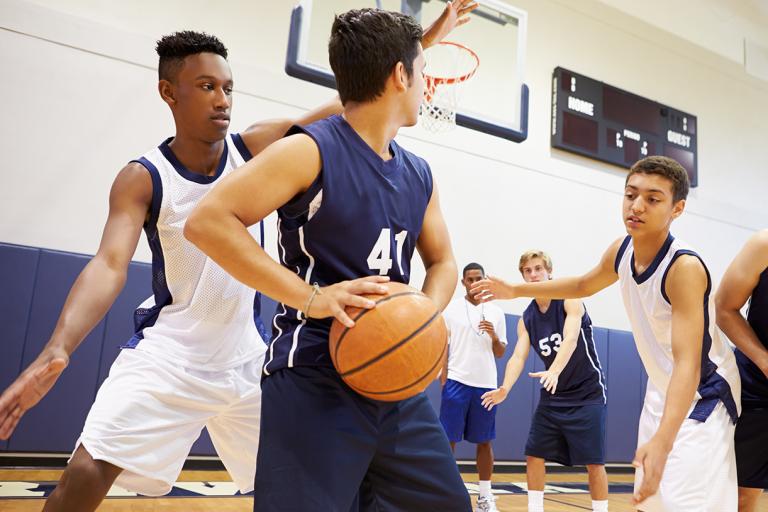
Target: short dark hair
{"points": [[365, 46], [173, 48], [472, 266], [666, 167]]}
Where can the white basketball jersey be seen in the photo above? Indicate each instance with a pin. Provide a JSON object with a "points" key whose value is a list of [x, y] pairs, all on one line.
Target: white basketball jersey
{"points": [[650, 314], [199, 316]]}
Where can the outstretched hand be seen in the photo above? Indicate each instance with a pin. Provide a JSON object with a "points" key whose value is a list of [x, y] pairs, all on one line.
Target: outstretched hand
{"points": [[491, 288], [548, 379], [454, 15], [494, 397], [28, 389]]}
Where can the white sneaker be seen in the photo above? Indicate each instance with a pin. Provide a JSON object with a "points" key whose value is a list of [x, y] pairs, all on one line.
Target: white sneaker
{"points": [[486, 504]]}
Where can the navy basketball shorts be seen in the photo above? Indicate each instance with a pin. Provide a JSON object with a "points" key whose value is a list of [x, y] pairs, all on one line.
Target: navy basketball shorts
{"points": [[571, 436], [751, 440], [463, 415], [323, 447]]}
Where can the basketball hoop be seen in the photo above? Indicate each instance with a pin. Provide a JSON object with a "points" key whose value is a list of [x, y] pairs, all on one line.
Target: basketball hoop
{"points": [[449, 65]]}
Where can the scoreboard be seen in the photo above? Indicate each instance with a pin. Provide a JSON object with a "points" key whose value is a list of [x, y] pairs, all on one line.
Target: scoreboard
{"points": [[596, 120]]}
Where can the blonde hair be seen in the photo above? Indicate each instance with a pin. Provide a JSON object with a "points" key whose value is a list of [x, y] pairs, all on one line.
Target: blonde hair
{"points": [[529, 255]]}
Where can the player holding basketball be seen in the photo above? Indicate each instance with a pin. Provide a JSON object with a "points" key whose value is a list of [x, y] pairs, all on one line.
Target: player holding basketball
{"points": [[196, 357], [568, 426], [747, 279], [685, 459], [477, 335], [351, 202]]}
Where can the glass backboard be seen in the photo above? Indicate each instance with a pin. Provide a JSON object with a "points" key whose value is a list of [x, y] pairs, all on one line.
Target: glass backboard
{"points": [[493, 101]]}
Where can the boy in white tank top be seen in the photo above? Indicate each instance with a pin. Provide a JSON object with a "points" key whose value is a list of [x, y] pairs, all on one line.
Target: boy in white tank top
{"points": [[195, 358], [685, 457]]}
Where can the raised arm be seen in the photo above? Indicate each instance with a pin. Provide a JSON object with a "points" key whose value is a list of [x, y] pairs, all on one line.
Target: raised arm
{"points": [[218, 226], [513, 370], [574, 312], [91, 296], [686, 287], [434, 246], [600, 277], [735, 289]]}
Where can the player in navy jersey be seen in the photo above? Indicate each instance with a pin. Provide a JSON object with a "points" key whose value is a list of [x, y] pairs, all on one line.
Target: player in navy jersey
{"points": [[569, 424], [351, 203], [747, 280], [685, 457]]}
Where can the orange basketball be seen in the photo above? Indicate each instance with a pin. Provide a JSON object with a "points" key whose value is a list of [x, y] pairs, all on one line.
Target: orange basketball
{"points": [[395, 349]]}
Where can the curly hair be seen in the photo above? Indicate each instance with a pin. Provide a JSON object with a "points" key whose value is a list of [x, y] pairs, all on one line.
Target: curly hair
{"points": [[666, 167], [173, 48]]}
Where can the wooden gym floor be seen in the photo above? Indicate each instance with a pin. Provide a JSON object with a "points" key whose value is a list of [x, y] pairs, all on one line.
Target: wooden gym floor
{"points": [[15, 482]]}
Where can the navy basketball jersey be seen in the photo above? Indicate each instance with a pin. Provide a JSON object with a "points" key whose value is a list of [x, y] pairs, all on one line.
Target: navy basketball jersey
{"points": [[754, 384], [582, 381], [362, 216]]}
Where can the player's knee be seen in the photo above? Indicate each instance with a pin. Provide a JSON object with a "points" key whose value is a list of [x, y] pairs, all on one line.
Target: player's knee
{"points": [[595, 468], [82, 473]]}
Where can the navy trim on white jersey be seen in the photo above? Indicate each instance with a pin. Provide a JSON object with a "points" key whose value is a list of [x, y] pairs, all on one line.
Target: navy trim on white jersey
{"points": [[186, 173], [712, 387], [648, 272], [620, 253], [146, 317], [241, 147]]}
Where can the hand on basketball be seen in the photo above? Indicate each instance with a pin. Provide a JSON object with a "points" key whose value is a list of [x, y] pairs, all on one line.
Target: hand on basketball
{"points": [[651, 457], [491, 288], [548, 379], [454, 15], [333, 299], [29, 388], [495, 397]]}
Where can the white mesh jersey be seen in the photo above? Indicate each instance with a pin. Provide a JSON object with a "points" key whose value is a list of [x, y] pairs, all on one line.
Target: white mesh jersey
{"points": [[199, 316], [650, 314]]}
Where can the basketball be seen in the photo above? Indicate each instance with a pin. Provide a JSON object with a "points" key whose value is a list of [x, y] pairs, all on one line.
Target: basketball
{"points": [[395, 349]]}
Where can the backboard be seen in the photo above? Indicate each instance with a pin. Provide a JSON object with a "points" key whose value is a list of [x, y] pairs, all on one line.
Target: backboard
{"points": [[494, 101]]}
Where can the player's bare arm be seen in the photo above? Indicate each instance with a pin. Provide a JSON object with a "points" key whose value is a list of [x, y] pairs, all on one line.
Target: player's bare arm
{"points": [[574, 311], [737, 285], [91, 296], [219, 227], [600, 277], [434, 246], [686, 286], [513, 370]]}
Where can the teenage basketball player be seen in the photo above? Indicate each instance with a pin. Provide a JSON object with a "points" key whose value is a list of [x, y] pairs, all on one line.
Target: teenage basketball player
{"points": [[685, 459], [747, 280], [477, 335], [196, 357], [351, 202], [568, 426]]}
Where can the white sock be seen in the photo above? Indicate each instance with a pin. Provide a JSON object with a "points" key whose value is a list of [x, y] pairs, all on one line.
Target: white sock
{"points": [[600, 506], [485, 488], [535, 501]]}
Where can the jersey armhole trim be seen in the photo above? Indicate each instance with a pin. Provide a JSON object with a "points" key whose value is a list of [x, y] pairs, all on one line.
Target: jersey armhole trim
{"points": [[150, 226], [620, 253], [683, 252], [237, 139]]}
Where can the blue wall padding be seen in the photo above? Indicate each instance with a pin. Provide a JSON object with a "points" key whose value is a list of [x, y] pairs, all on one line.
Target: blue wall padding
{"points": [[625, 374], [34, 284], [17, 278], [56, 422]]}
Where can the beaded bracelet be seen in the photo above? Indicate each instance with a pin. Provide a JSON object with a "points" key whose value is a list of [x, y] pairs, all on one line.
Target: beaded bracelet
{"points": [[315, 292]]}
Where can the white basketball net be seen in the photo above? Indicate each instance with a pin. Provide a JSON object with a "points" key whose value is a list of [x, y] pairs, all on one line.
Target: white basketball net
{"points": [[449, 65]]}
